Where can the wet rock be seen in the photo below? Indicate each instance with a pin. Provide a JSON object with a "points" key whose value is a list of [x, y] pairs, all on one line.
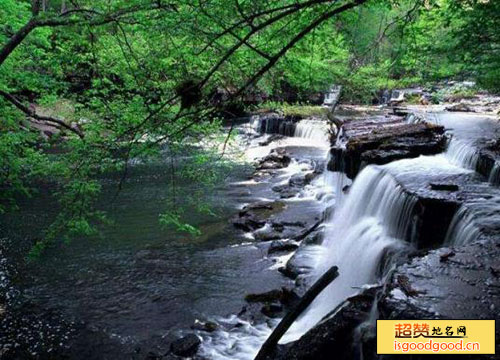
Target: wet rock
{"points": [[315, 238], [272, 310], [186, 346], [277, 159], [446, 254], [381, 144], [285, 296], [461, 107], [297, 265], [444, 187], [248, 223], [334, 335], [204, 326], [254, 216], [270, 296], [282, 246], [266, 234], [271, 139], [301, 179], [286, 191]]}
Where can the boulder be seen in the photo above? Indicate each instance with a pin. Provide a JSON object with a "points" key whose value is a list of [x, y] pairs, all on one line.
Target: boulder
{"points": [[186, 346], [272, 310], [204, 326], [461, 107], [282, 246]]}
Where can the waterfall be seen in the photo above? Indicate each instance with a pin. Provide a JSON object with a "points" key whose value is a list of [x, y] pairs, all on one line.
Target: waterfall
{"points": [[462, 154], [332, 96], [494, 178], [312, 129], [463, 229], [373, 219]]}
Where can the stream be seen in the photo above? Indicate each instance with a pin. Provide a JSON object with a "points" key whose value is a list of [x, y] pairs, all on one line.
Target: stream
{"points": [[136, 288]]}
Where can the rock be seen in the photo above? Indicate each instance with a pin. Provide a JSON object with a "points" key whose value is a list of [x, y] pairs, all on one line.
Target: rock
{"points": [[270, 139], [272, 310], [284, 296], [315, 238], [461, 107], [281, 246], [444, 256], [270, 296], [335, 334], [266, 234], [186, 346], [380, 143], [248, 223], [301, 179], [254, 216], [286, 191], [444, 187], [277, 159], [204, 326]]}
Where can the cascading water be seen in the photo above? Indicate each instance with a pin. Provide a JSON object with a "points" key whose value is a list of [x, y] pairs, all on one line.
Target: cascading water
{"points": [[494, 178], [312, 129], [332, 96], [374, 218], [463, 229], [462, 154]]}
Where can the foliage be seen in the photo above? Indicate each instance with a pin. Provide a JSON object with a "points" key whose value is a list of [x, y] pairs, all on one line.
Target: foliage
{"points": [[87, 87]]}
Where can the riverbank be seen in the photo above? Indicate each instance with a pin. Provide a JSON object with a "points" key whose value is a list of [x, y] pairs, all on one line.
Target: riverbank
{"points": [[291, 215]]}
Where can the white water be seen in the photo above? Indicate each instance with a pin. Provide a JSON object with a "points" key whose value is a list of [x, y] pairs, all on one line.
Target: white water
{"points": [[463, 229], [332, 97], [462, 153], [494, 178], [375, 217], [312, 129]]}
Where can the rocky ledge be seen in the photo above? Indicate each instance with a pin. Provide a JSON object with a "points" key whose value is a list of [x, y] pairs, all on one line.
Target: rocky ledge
{"points": [[380, 142]]}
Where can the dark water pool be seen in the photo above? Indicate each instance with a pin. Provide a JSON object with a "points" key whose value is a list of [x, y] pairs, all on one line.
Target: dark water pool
{"points": [[137, 285]]}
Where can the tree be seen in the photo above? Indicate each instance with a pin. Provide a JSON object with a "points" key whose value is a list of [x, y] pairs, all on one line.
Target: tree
{"points": [[147, 73]]}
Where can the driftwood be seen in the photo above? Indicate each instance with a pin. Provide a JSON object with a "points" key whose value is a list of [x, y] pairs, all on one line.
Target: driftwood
{"points": [[311, 294]]}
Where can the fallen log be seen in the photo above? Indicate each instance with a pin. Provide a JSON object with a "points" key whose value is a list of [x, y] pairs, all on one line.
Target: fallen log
{"points": [[311, 294]]}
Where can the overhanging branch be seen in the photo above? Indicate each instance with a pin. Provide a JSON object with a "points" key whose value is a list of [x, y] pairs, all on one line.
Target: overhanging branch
{"points": [[32, 113]]}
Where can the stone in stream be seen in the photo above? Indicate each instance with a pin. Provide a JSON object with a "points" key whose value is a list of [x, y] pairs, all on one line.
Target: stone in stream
{"points": [[461, 107], [282, 246], [186, 346], [286, 191], [272, 310], [284, 296], [204, 326], [277, 159], [253, 216]]}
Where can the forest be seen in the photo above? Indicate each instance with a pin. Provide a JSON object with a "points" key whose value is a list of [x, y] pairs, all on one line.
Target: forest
{"points": [[132, 133]]}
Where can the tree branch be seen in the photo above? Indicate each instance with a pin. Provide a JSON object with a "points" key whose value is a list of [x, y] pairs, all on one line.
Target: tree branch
{"points": [[31, 113]]}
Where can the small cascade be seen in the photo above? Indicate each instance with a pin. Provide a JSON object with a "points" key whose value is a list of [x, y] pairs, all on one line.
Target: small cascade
{"points": [[494, 178], [372, 221], [462, 154], [463, 229], [272, 124], [332, 96], [312, 129]]}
